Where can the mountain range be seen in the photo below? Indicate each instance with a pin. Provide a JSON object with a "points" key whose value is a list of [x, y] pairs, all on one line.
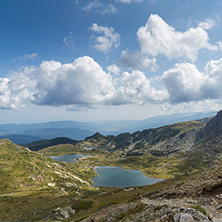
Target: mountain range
{"points": [[34, 187], [27, 133]]}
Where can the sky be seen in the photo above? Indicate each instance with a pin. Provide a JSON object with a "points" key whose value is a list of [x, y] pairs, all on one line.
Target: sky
{"points": [[89, 60]]}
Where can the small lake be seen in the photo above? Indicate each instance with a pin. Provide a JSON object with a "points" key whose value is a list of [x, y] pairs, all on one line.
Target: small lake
{"points": [[119, 177], [69, 158]]}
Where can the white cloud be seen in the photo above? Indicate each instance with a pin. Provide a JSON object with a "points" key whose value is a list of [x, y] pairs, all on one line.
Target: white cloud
{"points": [[32, 56], [219, 43], [136, 61], [69, 42], [129, 1], [185, 83], [192, 106], [113, 69], [100, 7], [207, 24], [15, 91], [105, 38], [157, 37], [83, 84], [135, 87]]}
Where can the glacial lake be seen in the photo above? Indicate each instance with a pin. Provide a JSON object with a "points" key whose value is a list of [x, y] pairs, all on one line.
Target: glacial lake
{"points": [[119, 177], [68, 158]]}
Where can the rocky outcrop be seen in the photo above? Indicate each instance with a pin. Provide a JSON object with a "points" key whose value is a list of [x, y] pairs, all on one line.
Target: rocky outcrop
{"points": [[212, 129], [162, 141], [150, 211], [60, 214]]}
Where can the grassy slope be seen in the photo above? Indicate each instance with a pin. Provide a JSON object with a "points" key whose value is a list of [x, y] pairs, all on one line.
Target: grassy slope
{"points": [[25, 189], [37, 145]]}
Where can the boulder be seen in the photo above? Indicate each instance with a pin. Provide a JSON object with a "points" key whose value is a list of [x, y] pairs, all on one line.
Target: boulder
{"points": [[183, 217]]}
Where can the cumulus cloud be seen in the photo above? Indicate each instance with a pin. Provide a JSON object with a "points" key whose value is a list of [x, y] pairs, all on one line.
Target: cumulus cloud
{"points": [[16, 91], [105, 38], [159, 38], [113, 69], [100, 7], [185, 83], [135, 87], [136, 61], [83, 84]]}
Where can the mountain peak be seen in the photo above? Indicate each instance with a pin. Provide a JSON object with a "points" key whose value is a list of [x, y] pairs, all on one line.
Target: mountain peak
{"points": [[213, 128], [95, 136]]}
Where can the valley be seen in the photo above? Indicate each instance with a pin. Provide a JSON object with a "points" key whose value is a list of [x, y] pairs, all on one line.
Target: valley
{"points": [[35, 187]]}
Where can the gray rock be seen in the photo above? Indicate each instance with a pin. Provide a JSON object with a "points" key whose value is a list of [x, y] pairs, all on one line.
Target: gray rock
{"points": [[183, 217], [219, 207], [64, 213], [60, 213]]}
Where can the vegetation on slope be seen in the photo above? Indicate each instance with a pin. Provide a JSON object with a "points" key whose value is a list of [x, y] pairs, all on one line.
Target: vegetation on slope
{"points": [[30, 178], [40, 144]]}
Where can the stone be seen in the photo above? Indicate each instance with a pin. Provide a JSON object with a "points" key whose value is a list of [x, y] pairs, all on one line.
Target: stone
{"points": [[219, 207], [51, 184], [64, 213], [210, 216], [183, 217], [219, 196], [68, 184]]}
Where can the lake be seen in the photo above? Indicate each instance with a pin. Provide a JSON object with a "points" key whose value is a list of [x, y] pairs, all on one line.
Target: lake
{"points": [[68, 158], [119, 177]]}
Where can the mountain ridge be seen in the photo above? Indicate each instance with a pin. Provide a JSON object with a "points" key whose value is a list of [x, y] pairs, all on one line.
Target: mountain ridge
{"points": [[80, 130]]}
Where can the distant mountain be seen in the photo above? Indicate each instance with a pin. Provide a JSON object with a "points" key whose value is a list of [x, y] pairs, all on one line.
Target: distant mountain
{"points": [[20, 138], [38, 145], [27, 133], [163, 120]]}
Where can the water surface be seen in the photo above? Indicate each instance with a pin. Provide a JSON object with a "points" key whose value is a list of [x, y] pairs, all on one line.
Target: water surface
{"points": [[119, 177], [68, 158]]}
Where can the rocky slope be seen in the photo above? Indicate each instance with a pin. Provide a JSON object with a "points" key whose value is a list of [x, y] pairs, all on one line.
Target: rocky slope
{"points": [[161, 141], [190, 198]]}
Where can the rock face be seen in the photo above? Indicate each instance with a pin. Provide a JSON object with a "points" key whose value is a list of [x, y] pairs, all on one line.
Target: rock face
{"points": [[161, 141], [212, 129], [60, 214]]}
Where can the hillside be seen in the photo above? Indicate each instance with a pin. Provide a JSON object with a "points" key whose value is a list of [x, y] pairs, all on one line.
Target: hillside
{"points": [[161, 141], [31, 178], [40, 144], [189, 198], [34, 186]]}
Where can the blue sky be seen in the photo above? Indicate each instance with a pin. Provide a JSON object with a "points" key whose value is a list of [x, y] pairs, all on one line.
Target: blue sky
{"points": [[115, 59]]}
